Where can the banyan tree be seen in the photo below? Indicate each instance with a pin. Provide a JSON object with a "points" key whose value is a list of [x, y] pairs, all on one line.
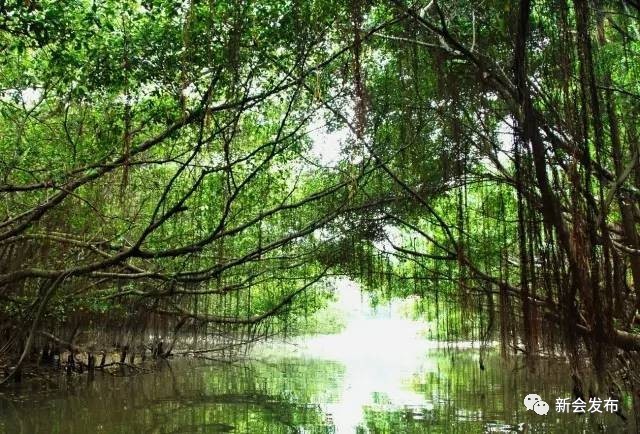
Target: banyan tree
{"points": [[160, 190]]}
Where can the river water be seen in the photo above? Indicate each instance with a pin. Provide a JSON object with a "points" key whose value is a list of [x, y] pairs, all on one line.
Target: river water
{"points": [[378, 376]]}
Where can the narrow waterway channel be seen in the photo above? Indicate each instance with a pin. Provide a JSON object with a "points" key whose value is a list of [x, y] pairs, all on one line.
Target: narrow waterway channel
{"points": [[379, 375]]}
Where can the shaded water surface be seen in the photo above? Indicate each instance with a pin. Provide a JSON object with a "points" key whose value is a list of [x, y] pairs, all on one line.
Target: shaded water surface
{"points": [[378, 376], [444, 391], [447, 394]]}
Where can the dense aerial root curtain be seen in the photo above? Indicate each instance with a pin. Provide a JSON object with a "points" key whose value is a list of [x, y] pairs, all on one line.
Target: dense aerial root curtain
{"points": [[566, 170], [212, 235], [521, 145]]}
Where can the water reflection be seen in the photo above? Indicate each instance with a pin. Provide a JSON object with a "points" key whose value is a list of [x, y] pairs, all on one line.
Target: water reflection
{"points": [[182, 397], [448, 394], [378, 376]]}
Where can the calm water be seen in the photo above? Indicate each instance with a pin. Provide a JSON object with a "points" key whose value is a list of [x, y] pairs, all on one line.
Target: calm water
{"points": [[378, 376]]}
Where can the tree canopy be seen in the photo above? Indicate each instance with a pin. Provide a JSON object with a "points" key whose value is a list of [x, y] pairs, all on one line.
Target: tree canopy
{"points": [[160, 175]]}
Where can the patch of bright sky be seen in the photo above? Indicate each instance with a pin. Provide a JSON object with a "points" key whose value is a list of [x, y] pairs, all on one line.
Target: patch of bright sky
{"points": [[326, 144], [504, 135], [393, 235], [29, 96], [505, 139]]}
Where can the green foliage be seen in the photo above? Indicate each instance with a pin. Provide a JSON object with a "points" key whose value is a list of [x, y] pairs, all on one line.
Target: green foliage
{"points": [[157, 164]]}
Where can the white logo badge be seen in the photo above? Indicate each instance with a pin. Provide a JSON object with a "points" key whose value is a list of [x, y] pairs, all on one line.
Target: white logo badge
{"points": [[541, 408], [534, 402], [530, 400]]}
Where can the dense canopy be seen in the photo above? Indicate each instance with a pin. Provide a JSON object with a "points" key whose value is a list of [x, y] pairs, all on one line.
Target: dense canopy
{"points": [[195, 172]]}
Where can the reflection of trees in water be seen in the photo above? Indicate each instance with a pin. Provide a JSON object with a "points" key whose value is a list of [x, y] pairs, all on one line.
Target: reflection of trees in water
{"points": [[284, 397], [466, 400], [183, 398]]}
